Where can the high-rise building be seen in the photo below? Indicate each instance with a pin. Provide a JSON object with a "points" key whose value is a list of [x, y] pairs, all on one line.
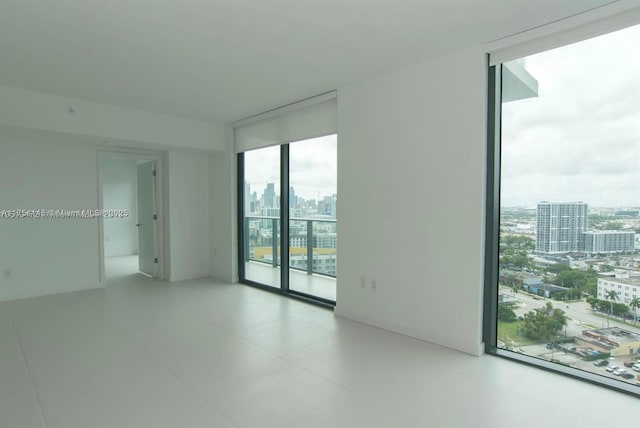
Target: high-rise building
{"points": [[247, 198], [269, 196], [293, 199], [561, 227]]}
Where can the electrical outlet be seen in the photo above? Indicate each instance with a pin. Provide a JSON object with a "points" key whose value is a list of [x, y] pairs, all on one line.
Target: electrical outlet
{"points": [[6, 273], [373, 284]]}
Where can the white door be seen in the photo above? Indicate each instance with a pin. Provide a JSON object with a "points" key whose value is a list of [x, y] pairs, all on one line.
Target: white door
{"points": [[147, 258]]}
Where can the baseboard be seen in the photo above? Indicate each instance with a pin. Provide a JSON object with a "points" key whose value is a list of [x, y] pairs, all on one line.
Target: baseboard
{"points": [[40, 293], [447, 342], [223, 278], [179, 278]]}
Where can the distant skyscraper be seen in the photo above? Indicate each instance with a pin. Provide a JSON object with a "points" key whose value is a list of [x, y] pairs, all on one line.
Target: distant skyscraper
{"points": [[293, 199], [561, 227], [269, 196], [247, 198]]}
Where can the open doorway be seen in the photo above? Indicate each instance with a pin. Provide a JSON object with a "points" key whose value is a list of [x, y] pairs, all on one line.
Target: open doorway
{"points": [[130, 225]]}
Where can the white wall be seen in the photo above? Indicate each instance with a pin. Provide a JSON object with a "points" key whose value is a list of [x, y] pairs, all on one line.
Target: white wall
{"points": [[33, 110], [52, 255], [411, 172], [189, 215], [223, 213], [118, 177]]}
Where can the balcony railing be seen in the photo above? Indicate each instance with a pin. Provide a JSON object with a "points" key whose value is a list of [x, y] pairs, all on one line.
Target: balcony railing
{"points": [[262, 242]]}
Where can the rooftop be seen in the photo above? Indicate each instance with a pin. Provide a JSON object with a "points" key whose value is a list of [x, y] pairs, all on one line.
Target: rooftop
{"points": [[612, 335], [607, 232], [634, 280]]}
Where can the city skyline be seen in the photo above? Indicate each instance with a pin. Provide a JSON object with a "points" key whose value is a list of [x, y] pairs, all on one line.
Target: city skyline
{"points": [[312, 168], [579, 140]]}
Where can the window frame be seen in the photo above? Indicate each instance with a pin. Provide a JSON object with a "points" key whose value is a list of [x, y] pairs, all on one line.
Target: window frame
{"points": [[492, 242]]}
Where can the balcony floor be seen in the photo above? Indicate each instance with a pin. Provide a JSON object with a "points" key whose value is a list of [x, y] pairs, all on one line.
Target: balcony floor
{"points": [[315, 285]]}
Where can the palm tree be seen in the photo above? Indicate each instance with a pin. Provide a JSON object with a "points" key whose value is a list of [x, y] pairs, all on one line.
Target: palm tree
{"points": [[635, 304], [611, 296]]}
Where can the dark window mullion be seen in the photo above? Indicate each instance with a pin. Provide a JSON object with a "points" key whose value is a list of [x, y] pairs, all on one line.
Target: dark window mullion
{"points": [[284, 218], [242, 244], [492, 233]]}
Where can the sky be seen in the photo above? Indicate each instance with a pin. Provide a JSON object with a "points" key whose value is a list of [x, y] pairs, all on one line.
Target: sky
{"points": [[312, 167], [579, 140]]}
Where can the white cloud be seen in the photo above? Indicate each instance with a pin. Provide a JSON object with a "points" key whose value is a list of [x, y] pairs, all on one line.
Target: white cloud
{"points": [[580, 138]]}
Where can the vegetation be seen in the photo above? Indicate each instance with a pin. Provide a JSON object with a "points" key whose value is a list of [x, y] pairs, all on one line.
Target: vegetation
{"points": [[510, 334], [543, 323], [514, 251], [611, 295], [635, 304], [517, 260], [618, 309], [557, 268], [506, 314], [518, 242], [612, 225], [583, 281]]}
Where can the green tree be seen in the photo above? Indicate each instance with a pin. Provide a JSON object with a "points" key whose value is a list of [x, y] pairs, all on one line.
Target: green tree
{"points": [[635, 304], [620, 309], [613, 225], [505, 313], [557, 268], [543, 323], [611, 296], [593, 302]]}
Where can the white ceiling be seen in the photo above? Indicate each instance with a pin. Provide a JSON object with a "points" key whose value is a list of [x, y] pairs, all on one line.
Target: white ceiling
{"points": [[228, 59]]}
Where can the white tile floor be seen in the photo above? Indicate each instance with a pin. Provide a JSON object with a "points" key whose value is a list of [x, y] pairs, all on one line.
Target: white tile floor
{"points": [[202, 353]]}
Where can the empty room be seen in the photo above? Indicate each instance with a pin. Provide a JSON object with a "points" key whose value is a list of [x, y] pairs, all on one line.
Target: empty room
{"points": [[313, 213]]}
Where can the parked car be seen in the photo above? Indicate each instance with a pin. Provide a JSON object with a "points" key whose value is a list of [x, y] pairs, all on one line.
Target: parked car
{"points": [[610, 369], [629, 363], [636, 367], [619, 372], [627, 375], [601, 363]]}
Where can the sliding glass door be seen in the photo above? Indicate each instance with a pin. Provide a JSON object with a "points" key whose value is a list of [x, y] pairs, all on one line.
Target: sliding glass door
{"points": [[288, 199]]}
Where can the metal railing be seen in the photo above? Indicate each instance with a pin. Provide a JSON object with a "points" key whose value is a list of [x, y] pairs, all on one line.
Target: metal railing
{"points": [[272, 224]]}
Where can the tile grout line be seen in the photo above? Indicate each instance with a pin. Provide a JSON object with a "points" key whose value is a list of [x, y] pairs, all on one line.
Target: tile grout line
{"points": [[26, 364], [176, 377]]}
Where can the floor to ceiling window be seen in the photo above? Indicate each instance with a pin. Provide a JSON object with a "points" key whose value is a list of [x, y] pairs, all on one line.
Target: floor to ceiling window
{"points": [[287, 199], [563, 259]]}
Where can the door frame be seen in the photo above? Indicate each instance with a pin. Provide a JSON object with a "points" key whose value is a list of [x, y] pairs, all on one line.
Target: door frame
{"points": [[161, 200]]}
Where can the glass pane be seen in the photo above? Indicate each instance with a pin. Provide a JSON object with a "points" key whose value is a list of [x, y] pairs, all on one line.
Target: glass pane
{"points": [[313, 230], [569, 277], [262, 216]]}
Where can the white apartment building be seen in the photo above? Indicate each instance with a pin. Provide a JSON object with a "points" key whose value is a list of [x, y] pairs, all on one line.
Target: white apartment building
{"points": [[560, 227], [609, 241], [627, 288]]}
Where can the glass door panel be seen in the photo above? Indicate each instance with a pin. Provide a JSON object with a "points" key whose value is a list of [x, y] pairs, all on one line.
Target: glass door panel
{"points": [[312, 217], [261, 220]]}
